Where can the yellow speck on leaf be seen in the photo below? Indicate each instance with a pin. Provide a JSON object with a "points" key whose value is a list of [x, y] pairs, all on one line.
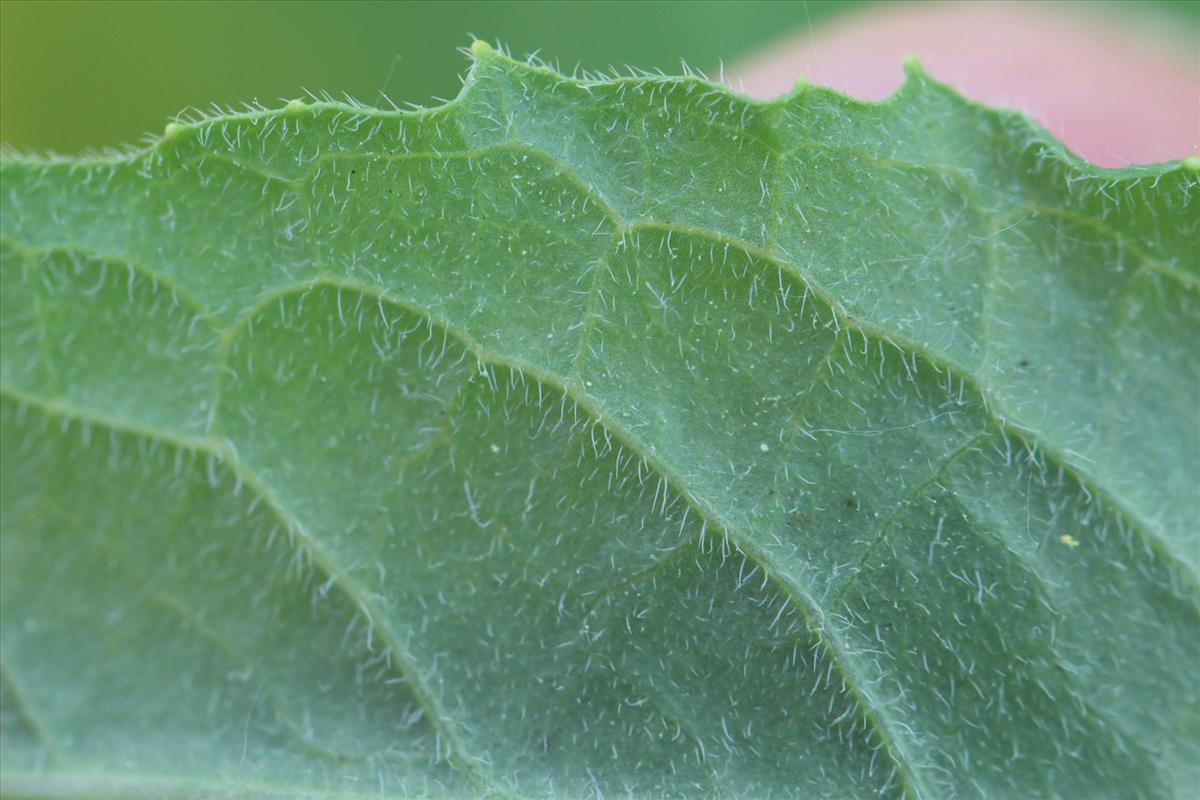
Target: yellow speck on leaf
{"points": [[1069, 540]]}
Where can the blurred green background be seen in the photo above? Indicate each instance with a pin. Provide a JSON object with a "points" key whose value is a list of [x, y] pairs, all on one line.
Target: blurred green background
{"points": [[95, 73], [75, 75]]}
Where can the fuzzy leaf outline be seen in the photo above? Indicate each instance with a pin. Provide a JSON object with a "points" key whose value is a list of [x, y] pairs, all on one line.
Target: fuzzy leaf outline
{"points": [[917, 768]]}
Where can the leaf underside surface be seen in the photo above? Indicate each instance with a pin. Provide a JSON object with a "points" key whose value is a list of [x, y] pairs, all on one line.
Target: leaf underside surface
{"points": [[616, 437]]}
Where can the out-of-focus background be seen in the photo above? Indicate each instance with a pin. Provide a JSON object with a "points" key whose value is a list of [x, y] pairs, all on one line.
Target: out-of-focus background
{"points": [[94, 73], [78, 73]]}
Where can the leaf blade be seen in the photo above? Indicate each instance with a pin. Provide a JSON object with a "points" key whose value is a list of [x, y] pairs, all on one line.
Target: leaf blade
{"points": [[594, 304]]}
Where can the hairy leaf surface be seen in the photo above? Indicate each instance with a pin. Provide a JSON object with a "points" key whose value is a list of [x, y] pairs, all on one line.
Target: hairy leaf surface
{"points": [[601, 438]]}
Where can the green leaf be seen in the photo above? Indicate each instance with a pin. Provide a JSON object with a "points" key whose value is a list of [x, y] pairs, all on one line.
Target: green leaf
{"points": [[601, 437]]}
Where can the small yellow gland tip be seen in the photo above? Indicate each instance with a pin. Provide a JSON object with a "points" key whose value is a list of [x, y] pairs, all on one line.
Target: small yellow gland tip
{"points": [[171, 130], [480, 48], [296, 106], [1192, 163]]}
